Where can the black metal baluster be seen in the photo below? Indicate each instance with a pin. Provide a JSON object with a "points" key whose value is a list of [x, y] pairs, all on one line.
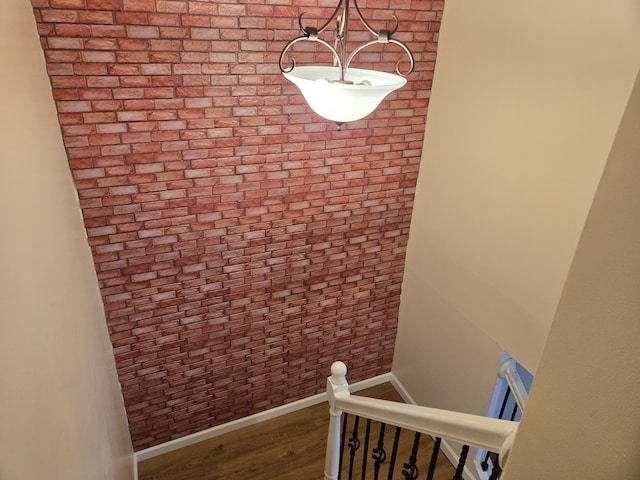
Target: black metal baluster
{"points": [[365, 452], [504, 402], [394, 453], [410, 470], [513, 413], [379, 455], [497, 471], [354, 445], [461, 462], [345, 416], [485, 463], [434, 458]]}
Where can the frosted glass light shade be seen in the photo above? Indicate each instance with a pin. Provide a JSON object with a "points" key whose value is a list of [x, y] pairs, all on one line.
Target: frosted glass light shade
{"points": [[342, 102]]}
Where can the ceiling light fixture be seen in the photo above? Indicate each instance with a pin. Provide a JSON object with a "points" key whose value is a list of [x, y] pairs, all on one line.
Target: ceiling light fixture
{"points": [[337, 92]]}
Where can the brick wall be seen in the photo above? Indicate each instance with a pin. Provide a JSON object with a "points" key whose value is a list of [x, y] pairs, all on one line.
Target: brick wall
{"points": [[242, 243]]}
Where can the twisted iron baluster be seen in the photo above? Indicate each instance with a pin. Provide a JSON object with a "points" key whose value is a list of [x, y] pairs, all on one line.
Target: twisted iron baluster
{"points": [[366, 448], [504, 402], [394, 453], [410, 470], [379, 455], [485, 462], [514, 412], [434, 458], [497, 471], [354, 445], [461, 462]]}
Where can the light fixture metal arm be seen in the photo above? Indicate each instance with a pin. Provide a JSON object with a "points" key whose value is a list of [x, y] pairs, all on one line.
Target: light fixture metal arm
{"points": [[382, 39], [333, 16], [369, 27], [311, 34]]}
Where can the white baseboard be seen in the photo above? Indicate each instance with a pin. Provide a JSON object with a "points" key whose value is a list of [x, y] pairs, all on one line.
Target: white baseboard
{"points": [[404, 393], [250, 420]]}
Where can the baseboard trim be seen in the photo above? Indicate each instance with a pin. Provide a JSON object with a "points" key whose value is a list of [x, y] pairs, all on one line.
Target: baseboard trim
{"points": [[404, 393], [212, 432]]}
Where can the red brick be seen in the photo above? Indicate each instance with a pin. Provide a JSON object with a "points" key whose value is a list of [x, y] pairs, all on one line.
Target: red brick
{"points": [[208, 8], [164, 19], [55, 56], [103, 4], [193, 45], [132, 18], [70, 106], [97, 56], [65, 43], [59, 16], [143, 31], [139, 5], [171, 6], [95, 17], [164, 57], [73, 30], [106, 105], [90, 69], [67, 4], [196, 20], [173, 32], [100, 44], [108, 31], [99, 117]]}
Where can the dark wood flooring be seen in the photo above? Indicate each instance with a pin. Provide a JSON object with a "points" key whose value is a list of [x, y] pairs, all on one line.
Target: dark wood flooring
{"points": [[290, 447]]}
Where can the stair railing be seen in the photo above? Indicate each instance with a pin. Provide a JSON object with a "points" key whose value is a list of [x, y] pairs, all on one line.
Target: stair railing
{"points": [[509, 373], [471, 430]]}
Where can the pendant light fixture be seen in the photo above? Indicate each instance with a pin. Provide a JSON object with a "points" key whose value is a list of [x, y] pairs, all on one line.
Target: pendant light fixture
{"points": [[340, 93]]}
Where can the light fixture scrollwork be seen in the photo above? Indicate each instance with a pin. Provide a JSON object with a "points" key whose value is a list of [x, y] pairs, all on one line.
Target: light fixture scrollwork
{"points": [[340, 93]]}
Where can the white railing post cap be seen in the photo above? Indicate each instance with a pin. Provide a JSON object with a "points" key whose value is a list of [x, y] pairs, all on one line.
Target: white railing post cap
{"points": [[508, 364], [338, 373]]}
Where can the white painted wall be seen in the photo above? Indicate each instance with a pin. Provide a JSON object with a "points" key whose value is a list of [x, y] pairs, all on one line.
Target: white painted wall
{"points": [[525, 106], [61, 410], [583, 415]]}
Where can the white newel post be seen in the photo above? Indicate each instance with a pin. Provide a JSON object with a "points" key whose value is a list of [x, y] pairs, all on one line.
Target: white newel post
{"points": [[336, 386], [509, 372]]}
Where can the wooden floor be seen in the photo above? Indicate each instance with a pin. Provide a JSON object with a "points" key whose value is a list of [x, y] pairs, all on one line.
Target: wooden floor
{"points": [[290, 447]]}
